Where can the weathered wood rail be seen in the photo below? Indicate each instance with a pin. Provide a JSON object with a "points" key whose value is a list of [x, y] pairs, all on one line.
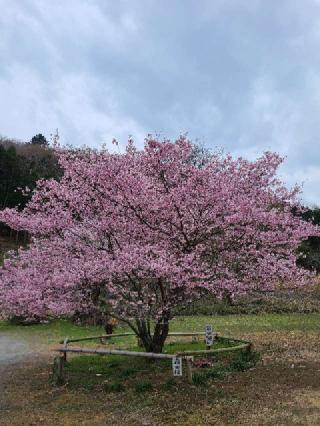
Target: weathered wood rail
{"points": [[115, 352], [108, 336]]}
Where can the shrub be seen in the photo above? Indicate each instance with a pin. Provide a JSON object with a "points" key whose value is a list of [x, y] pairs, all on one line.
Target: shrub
{"points": [[244, 360], [143, 387], [128, 372], [199, 378], [215, 372], [113, 387], [169, 384]]}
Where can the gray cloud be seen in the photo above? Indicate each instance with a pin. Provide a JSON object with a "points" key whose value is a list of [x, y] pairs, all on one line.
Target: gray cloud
{"points": [[242, 75]]}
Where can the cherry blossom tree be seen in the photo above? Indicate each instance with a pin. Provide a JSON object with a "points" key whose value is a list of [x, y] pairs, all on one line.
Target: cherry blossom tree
{"points": [[139, 233]]}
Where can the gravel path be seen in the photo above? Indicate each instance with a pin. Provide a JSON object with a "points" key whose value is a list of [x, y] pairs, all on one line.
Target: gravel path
{"points": [[13, 350], [17, 355]]}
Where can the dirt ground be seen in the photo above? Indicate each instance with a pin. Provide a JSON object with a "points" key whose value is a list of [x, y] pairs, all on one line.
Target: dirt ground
{"points": [[283, 389]]}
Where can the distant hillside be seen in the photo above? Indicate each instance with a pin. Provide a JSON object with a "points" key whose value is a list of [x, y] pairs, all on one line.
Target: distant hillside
{"points": [[22, 164]]}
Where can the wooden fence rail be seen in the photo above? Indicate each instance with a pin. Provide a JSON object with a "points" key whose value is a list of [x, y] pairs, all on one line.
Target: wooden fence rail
{"points": [[114, 352], [108, 336]]}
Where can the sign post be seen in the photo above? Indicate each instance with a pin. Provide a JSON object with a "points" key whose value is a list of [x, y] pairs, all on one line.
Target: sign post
{"points": [[209, 336], [177, 366]]}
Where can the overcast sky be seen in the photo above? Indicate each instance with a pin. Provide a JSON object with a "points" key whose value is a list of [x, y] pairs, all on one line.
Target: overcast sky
{"points": [[239, 74]]}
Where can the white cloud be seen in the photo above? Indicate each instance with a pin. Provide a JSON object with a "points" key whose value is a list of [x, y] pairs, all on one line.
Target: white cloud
{"points": [[67, 104], [243, 75]]}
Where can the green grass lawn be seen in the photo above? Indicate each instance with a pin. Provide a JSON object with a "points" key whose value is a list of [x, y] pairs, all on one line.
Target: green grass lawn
{"points": [[51, 332], [228, 325]]}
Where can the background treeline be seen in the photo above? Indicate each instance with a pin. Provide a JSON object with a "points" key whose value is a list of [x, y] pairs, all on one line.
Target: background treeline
{"points": [[21, 165], [311, 247]]}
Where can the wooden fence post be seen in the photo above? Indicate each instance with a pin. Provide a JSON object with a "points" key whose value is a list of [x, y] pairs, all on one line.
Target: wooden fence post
{"points": [[58, 370], [65, 345], [189, 361]]}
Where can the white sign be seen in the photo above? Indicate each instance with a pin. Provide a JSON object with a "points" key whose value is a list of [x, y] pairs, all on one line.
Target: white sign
{"points": [[177, 366], [209, 335]]}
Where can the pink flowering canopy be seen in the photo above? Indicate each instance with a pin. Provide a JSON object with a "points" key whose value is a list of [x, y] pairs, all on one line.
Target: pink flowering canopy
{"points": [[143, 232]]}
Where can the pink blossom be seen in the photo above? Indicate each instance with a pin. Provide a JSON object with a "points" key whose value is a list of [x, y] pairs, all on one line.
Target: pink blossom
{"points": [[143, 232]]}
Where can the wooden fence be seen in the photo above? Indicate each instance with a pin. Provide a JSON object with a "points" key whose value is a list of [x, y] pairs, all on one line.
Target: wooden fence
{"points": [[177, 358]]}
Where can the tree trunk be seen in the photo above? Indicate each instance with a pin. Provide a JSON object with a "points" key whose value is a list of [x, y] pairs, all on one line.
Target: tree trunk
{"points": [[153, 342]]}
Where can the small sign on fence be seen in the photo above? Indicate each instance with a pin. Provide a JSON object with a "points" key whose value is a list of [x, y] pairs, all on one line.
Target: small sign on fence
{"points": [[177, 366], [209, 335]]}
